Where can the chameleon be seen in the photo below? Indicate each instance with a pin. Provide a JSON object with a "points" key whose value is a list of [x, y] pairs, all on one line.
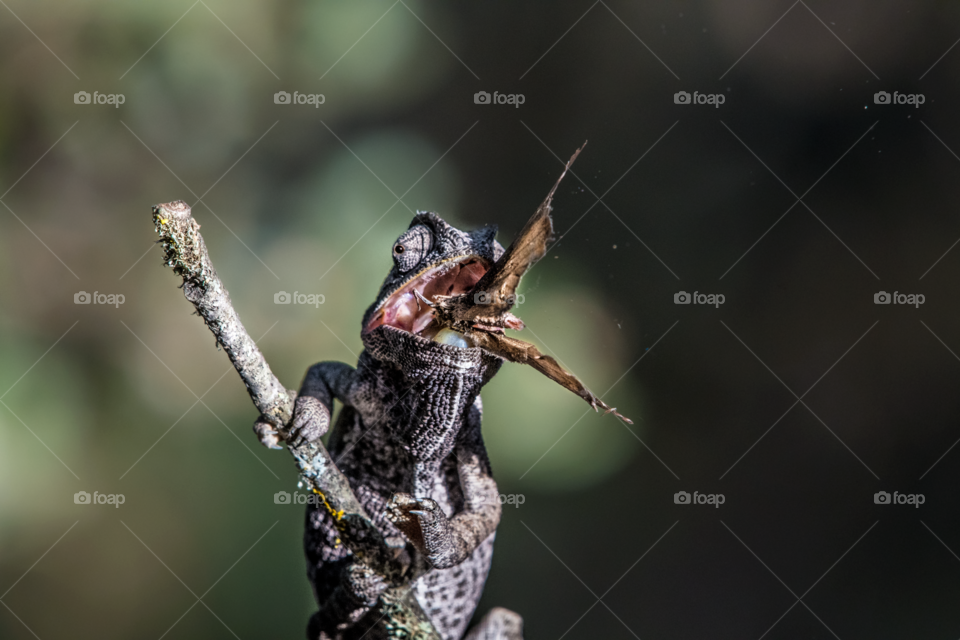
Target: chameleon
{"points": [[408, 437]]}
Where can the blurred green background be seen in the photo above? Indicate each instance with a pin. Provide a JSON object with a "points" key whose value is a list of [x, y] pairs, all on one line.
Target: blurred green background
{"points": [[136, 400]]}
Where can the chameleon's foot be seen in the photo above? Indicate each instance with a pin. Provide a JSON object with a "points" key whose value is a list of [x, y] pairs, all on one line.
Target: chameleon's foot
{"points": [[267, 433], [310, 421], [411, 515], [498, 624], [363, 583], [425, 525]]}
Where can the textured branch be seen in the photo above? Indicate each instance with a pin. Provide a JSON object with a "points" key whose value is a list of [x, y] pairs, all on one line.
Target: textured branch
{"points": [[399, 614]]}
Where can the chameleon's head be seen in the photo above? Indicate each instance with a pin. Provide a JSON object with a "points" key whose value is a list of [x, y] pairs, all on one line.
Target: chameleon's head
{"points": [[430, 258]]}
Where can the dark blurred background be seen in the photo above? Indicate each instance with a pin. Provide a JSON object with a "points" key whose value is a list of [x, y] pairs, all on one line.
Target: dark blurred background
{"points": [[799, 199]]}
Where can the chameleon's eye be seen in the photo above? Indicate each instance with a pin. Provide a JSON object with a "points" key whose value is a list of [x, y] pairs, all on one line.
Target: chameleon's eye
{"points": [[412, 247]]}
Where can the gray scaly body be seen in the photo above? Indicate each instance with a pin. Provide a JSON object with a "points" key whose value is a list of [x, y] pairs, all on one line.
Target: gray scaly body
{"points": [[408, 440]]}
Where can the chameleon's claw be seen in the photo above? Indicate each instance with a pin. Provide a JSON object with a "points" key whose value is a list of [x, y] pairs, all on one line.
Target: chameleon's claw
{"points": [[427, 511], [267, 433], [410, 514]]}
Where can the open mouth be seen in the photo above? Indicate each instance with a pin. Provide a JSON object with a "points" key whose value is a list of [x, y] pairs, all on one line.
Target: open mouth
{"points": [[403, 310]]}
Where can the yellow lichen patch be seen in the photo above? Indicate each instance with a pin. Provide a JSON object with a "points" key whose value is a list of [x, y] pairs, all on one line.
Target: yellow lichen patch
{"points": [[337, 515]]}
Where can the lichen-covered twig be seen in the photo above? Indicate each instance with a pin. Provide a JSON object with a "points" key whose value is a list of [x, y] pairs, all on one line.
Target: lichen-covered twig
{"points": [[184, 250]]}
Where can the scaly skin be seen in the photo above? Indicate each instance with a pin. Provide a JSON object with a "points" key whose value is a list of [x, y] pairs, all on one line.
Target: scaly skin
{"points": [[408, 440]]}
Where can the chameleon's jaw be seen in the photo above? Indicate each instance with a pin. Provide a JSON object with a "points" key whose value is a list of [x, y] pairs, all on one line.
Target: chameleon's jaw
{"points": [[405, 308]]}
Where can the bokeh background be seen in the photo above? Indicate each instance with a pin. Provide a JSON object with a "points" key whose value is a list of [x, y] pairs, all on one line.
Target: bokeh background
{"points": [[798, 199]]}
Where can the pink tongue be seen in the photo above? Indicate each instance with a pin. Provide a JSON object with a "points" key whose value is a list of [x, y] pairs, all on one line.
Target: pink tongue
{"points": [[406, 315], [422, 322], [403, 312]]}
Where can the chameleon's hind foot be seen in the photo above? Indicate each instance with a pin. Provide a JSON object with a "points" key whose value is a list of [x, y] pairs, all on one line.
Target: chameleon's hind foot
{"points": [[411, 515], [498, 624], [363, 583]]}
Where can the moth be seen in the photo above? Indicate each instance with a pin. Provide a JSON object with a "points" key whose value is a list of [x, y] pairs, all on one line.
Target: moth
{"points": [[482, 313]]}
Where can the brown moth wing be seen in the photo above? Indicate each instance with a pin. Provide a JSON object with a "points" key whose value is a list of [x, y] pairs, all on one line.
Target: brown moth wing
{"points": [[500, 282], [525, 353]]}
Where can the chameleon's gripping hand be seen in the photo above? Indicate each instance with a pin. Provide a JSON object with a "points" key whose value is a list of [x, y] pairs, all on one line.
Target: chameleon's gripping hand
{"points": [[426, 526], [310, 420], [324, 383], [363, 583]]}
